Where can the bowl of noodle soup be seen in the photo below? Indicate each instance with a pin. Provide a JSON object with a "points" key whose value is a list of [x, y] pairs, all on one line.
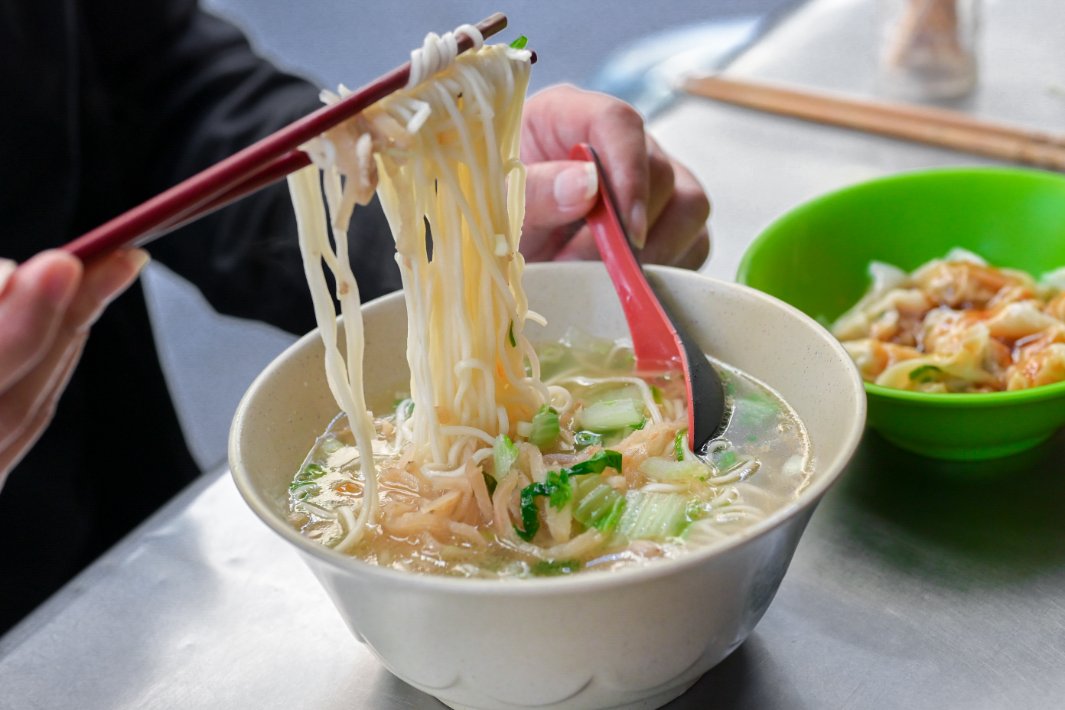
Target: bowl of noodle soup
{"points": [[505, 509], [634, 636]]}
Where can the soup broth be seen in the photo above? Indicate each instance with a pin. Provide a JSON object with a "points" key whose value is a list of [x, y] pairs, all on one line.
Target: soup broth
{"points": [[598, 480]]}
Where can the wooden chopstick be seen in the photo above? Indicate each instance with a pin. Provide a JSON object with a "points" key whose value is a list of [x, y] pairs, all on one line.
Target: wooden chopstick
{"points": [[247, 170], [934, 126], [273, 171]]}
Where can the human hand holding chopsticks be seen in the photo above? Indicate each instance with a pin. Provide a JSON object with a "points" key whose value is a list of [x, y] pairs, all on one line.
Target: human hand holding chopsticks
{"points": [[46, 308]]}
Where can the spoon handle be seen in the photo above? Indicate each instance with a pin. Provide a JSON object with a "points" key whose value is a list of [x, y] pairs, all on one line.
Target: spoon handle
{"points": [[654, 338], [659, 341]]}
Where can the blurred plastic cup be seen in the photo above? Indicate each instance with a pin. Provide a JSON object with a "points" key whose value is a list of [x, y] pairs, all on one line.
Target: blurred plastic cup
{"points": [[928, 48]]}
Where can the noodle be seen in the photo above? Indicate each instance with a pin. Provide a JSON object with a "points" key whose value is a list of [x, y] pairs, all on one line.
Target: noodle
{"points": [[409, 164], [502, 462]]}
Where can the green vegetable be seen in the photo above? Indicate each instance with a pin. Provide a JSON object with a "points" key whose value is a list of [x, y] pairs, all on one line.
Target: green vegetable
{"points": [[544, 429], [596, 464], [609, 415], [654, 516], [679, 444], [556, 487], [553, 568], [510, 335], [583, 439], [656, 394], [530, 516], [520, 42], [925, 374], [489, 483], [307, 476], [404, 408], [725, 459], [599, 507], [504, 454], [560, 490], [663, 469]]}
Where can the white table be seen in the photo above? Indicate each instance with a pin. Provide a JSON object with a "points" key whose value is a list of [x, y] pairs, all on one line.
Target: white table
{"points": [[919, 584]]}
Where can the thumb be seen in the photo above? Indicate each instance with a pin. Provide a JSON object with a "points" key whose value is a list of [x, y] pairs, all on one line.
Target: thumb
{"points": [[558, 193]]}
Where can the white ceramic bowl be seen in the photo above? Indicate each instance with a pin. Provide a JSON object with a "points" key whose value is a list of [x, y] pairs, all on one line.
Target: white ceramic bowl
{"points": [[634, 638]]}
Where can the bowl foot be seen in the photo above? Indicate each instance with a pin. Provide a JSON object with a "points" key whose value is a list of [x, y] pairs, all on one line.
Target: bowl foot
{"points": [[649, 703]]}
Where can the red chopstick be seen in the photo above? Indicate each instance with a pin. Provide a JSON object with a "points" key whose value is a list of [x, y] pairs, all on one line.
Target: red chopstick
{"points": [[273, 171], [248, 170]]}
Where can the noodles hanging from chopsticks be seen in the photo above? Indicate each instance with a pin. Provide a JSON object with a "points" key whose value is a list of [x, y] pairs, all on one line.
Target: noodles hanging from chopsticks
{"points": [[442, 152]]}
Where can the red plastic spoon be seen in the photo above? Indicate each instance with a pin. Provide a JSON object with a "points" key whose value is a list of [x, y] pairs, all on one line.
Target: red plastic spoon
{"points": [[658, 339]]}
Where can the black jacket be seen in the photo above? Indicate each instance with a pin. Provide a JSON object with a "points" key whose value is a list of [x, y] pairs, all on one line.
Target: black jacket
{"points": [[104, 104]]}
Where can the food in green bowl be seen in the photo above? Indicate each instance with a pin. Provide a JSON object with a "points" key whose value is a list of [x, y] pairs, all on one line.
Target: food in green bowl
{"points": [[817, 257], [957, 324]]}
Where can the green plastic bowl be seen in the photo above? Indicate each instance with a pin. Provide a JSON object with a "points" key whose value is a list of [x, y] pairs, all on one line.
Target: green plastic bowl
{"points": [[816, 258]]}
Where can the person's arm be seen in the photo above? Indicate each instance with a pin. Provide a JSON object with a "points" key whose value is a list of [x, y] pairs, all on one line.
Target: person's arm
{"points": [[46, 308]]}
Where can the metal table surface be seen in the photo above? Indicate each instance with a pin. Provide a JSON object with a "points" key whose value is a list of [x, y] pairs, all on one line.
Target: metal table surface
{"points": [[918, 584]]}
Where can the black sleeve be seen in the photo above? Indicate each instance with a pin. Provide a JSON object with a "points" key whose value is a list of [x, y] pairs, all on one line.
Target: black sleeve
{"points": [[190, 91]]}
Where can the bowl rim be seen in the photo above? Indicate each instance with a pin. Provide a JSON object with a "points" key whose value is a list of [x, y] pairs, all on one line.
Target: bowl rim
{"points": [[946, 400], [974, 400], [830, 471]]}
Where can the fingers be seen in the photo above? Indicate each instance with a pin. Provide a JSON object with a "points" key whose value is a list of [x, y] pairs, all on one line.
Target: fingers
{"points": [[23, 402], [558, 193], [104, 280], [11, 454], [679, 234], [52, 301], [31, 430], [33, 304], [612, 127], [662, 181], [698, 254], [7, 268]]}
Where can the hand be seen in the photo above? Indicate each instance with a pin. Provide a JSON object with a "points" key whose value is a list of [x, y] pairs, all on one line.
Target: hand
{"points": [[663, 205], [46, 308]]}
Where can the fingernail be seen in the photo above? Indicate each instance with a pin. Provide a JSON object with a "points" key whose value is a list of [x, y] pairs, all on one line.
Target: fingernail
{"points": [[117, 280], [138, 258], [7, 267], [638, 224], [576, 185]]}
